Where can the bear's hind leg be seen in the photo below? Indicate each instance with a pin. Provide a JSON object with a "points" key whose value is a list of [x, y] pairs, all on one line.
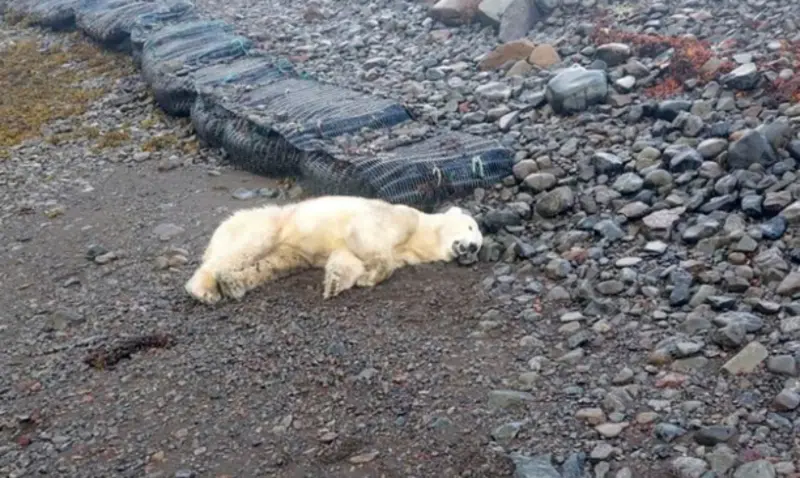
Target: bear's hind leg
{"points": [[342, 271], [378, 269], [235, 283]]}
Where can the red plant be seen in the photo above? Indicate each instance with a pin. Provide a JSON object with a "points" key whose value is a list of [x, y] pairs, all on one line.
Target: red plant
{"points": [[687, 62]]}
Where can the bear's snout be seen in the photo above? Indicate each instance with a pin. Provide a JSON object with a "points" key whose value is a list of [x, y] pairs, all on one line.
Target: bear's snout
{"points": [[465, 252]]}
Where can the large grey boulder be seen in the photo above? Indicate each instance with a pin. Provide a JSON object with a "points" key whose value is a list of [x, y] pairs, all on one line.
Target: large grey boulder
{"points": [[574, 89]]}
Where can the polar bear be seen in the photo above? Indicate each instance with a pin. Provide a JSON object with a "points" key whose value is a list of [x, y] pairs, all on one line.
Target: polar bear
{"points": [[357, 241]]}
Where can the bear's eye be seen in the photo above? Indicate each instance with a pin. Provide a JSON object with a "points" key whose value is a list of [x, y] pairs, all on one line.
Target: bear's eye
{"points": [[470, 228]]}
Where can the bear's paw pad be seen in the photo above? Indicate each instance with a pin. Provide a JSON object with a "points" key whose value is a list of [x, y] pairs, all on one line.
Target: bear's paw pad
{"points": [[203, 288]]}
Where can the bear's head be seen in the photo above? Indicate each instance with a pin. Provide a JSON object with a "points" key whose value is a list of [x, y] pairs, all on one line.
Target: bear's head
{"points": [[460, 235]]}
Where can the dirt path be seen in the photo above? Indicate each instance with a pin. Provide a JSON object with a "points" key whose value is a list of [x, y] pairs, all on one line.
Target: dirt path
{"points": [[350, 377]]}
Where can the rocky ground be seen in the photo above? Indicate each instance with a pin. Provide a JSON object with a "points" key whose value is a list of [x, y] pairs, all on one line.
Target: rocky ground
{"points": [[634, 314]]}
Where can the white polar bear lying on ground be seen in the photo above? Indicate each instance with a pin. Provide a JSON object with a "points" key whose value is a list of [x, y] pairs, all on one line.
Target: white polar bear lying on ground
{"points": [[358, 241]]}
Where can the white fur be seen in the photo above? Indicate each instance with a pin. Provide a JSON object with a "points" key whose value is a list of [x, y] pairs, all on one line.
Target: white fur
{"points": [[358, 241]]}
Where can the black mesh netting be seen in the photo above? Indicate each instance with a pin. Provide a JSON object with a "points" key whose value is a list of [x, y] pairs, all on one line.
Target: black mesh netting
{"points": [[423, 173], [272, 120], [55, 14], [111, 21], [171, 54], [271, 127], [146, 25]]}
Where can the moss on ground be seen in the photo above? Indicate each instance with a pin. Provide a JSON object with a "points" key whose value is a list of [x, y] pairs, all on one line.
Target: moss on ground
{"points": [[42, 83]]}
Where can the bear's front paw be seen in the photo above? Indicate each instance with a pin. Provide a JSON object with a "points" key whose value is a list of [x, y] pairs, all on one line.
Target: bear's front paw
{"points": [[203, 287], [231, 286]]}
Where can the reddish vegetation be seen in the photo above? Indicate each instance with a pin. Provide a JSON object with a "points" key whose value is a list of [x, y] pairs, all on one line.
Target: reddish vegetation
{"points": [[787, 90], [693, 59], [690, 58]]}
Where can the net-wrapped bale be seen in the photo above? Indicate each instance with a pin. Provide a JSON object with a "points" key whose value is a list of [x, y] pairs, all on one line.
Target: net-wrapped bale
{"points": [[421, 172], [110, 22], [146, 25], [55, 14], [268, 129], [171, 54]]}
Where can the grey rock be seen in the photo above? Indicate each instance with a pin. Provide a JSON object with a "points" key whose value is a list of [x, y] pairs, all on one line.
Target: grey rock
{"points": [[755, 469], [701, 230], [790, 285], [555, 202], [539, 182], [744, 77], [508, 398], [668, 432], [778, 133], [713, 434], [712, 147], [628, 183], [507, 431], [786, 400], [792, 213], [609, 229], [613, 54], [782, 365], [494, 91], [747, 360], [686, 160], [167, 231], [722, 459], [490, 12], [610, 287], [517, 20], [688, 467], [752, 148], [548, 6], [607, 163], [534, 467], [750, 322], [575, 89]]}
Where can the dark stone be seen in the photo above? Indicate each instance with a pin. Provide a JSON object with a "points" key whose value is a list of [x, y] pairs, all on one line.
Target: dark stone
{"points": [[753, 147], [774, 228], [713, 434], [668, 110], [688, 159]]}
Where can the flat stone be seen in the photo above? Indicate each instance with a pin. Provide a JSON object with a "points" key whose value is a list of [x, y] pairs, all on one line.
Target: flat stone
{"points": [[688, 467], [508, 398], [511, 51], [544, 56], [167, 231], [747, 360], [613, 54], [454, 12], [756, 469]]}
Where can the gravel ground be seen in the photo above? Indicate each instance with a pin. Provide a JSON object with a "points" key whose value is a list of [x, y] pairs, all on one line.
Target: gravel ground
{"points": [[636, 314]]}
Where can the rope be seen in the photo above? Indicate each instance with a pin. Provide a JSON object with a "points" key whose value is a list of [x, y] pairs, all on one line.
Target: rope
{"points": [[437, 173], [240, 43], [478, 167]]}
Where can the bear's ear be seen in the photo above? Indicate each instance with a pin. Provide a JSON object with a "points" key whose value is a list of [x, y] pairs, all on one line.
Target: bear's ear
{"points": [[454, 210]]}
